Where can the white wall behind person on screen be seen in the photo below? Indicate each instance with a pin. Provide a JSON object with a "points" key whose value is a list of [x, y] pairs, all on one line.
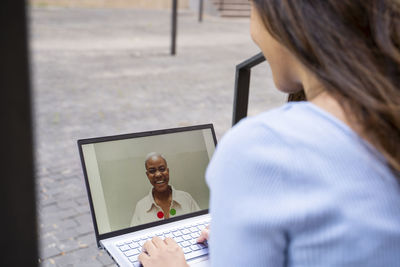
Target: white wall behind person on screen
{"points": [[100, 207], [123, 175]]}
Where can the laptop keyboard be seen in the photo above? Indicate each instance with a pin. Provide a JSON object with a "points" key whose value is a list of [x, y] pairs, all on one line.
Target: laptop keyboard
{"points": [[185, 236]]}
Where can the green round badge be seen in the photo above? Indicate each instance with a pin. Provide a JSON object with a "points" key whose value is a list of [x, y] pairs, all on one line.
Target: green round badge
{"points": [[172, 212]]}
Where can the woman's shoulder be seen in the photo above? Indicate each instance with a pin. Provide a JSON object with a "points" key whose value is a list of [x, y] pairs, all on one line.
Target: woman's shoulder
{"points": [[297, 140], [293, 125], [256, 146]]}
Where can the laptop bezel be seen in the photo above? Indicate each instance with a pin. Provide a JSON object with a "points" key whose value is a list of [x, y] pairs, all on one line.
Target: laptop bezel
{"points": [[94, 140]]}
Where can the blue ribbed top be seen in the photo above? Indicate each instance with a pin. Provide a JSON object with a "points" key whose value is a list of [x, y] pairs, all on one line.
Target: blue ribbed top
{"points": [[297, 187]]}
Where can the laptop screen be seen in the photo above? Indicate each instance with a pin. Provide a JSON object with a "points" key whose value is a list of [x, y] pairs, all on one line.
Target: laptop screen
{"points": [[142, 178]]}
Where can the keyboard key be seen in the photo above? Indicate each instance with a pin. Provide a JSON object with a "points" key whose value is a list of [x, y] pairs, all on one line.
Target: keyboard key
{"points": [[128, 242], [177, 233], [133, 258], [185, 231], [141, 242], [137, 264], [134, 245], [194, 229], [193, 241], [186, 250], [185, 243], [195, 235], [138, 251], [187, 237], [178, 239], [194, 247], [167, 232], [124, 248], [129, 253], [120, 244]]}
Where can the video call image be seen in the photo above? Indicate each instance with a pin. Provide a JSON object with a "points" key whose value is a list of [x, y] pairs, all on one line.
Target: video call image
{"points": [[146, 179]]}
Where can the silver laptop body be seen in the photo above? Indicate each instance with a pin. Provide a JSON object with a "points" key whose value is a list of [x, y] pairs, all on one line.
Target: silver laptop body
{"points": [[117, 186]]}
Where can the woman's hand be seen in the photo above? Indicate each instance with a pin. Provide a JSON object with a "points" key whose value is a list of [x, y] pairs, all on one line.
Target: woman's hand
{"points": [[158, 252], [205, 234]]}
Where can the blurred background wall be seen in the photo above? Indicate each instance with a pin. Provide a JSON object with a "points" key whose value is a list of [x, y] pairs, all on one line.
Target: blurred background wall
{"points": [[154, 4]]}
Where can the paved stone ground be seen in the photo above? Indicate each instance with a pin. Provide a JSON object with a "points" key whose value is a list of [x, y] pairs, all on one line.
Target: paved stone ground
{"points": [[108, 71]]}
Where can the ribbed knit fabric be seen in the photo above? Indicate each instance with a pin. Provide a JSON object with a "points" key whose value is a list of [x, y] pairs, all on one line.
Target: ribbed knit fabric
{"points": [[297, 187]]}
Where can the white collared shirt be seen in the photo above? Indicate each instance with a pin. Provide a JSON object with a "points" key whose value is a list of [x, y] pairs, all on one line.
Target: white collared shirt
{"points": [[146, 209]]}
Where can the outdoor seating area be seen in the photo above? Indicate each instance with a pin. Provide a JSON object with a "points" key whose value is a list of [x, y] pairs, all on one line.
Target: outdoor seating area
{"points": [[200, 133]]}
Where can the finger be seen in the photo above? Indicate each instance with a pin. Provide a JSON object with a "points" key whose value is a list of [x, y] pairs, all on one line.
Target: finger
{"points": [[170, 242], [149, 247], [158, 242], [143, 258], [204, 235]]}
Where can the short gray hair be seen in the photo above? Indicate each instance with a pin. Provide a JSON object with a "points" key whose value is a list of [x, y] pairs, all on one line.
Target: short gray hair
{"points": [[153, 154]]}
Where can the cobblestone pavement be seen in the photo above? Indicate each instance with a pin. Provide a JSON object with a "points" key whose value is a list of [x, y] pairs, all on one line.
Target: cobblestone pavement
{"points": [[108, 71]]}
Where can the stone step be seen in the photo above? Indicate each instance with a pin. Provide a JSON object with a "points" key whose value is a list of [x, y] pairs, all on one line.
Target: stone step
{"points": [[235, 13], [223, 2], [233, 8], [236, 7]]}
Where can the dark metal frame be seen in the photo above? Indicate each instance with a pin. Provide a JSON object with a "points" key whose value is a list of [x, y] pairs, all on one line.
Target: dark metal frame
{"points": [[174, 22], [81, 142], [242, 87], [17, 184], [201, 8], [174, 25]]}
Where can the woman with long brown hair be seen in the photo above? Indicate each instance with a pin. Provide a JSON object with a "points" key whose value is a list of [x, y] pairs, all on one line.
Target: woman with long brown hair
{"points": [[316, 182]]}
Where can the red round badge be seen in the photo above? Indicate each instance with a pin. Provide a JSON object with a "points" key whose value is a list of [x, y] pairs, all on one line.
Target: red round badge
{"points": [[160, 214]]}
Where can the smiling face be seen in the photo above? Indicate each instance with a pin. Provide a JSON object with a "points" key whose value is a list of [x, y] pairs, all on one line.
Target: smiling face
{"points": [[158, 173]]}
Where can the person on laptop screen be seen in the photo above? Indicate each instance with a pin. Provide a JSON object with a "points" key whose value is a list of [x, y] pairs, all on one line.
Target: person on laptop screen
{"points": [[163, 200]]}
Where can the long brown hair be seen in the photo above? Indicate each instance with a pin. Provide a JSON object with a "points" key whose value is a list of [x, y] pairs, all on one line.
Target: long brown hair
{"points": [[353, 47]]}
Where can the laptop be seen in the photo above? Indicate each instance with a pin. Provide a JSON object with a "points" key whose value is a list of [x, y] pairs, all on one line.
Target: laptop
{"points": [[129, 179]]}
